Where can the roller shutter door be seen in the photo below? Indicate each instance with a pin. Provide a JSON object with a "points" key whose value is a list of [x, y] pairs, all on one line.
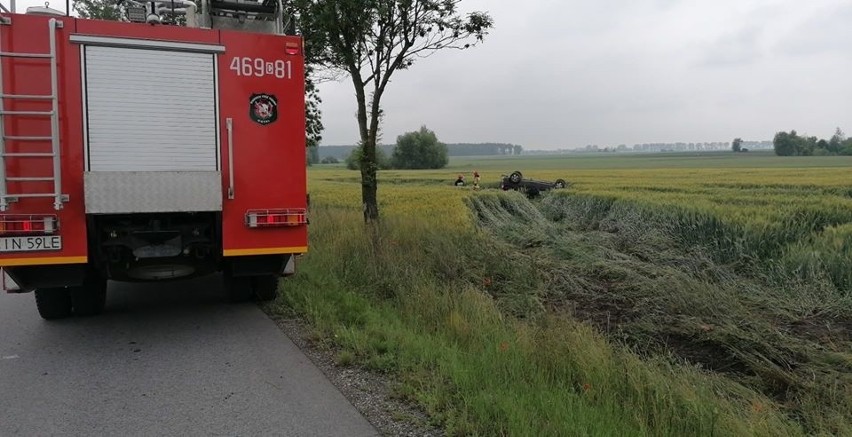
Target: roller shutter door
{"points": [[150, 110]]}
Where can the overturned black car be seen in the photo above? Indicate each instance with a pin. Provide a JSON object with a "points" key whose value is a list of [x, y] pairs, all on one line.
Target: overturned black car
{"points": [[531, 187]]}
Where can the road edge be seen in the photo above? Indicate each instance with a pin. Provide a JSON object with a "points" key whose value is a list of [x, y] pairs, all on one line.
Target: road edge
{"points": [[369, 392]]}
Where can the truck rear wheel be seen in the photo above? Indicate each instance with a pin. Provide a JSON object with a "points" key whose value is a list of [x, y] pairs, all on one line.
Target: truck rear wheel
{"points": [[89, 299], [53, 303], [265, 287]]}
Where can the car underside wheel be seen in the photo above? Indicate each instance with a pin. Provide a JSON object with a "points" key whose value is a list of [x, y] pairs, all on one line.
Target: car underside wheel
{"points": [[516, 177], [53, 303], [239, 288], [560, 183], [265, 287], [89, 299]]}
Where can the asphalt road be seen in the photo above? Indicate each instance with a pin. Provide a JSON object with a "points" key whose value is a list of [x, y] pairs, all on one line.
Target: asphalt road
{"points": [[171, 359]]}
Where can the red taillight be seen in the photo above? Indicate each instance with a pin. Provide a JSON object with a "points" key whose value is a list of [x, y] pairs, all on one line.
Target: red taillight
{"points": [[276, 217], [30, 224], [292, 48]]}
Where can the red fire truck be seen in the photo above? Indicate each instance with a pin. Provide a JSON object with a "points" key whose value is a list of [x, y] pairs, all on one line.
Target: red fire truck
{"points": [[165, 146]]}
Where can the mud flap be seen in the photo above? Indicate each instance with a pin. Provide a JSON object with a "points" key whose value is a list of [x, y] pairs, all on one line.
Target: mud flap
{"points": [[9, 284], [290, 268]]}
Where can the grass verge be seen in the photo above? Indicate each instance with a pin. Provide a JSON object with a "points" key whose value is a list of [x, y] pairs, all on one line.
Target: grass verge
{"points": [[462, 321]]}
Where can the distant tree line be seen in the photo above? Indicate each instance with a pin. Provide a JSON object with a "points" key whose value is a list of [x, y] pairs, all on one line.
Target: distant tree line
{"points": [[458, 149], [483, 149], [793, 144], [658, 147], [413, 150]]}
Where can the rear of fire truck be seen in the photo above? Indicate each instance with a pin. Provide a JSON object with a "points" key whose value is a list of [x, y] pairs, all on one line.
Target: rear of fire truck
{"points": [[144, 150]]}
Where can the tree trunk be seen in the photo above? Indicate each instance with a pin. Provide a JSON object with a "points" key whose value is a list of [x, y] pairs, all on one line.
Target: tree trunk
{"points": [[369, 189], [369, 181]]}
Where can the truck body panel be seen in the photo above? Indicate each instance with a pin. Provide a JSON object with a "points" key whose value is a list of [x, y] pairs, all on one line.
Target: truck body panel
{"points": [[182, 152], [268, 149], [31, 77]]}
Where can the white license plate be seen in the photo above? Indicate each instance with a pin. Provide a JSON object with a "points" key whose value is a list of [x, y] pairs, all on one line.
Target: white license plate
{"points": [[30, 244]]}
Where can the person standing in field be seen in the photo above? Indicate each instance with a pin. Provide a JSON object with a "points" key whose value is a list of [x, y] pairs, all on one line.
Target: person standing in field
{"points": [[475, 180]]}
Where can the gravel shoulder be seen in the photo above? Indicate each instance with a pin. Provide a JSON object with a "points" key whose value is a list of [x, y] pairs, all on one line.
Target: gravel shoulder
{"points": [[371, 393]]}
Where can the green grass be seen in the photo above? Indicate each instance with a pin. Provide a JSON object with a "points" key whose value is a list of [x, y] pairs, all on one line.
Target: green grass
{"points": [[416, 304], [662, 294]]}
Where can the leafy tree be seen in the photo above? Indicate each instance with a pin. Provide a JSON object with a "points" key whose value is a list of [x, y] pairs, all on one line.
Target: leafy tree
{"points": [[313, 114], [784, 143], [330, 160], [793, 144], [354, 160], [737, 145], [419, 150], [99, 9], [835, 144], [807, 146], [370, 40]]}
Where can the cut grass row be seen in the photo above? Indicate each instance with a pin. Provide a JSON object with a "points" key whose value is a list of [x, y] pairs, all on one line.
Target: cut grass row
{"points": [[648, 279], [808, 244]]}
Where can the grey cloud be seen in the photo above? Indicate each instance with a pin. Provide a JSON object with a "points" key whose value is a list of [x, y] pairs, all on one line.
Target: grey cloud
{"points": [[742, 47], [827, 31]]}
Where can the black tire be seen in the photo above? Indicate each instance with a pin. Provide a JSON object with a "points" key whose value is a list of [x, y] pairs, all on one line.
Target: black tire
{"points": [[239, 288], [89, 299], [265, 287], [53, 303], [560, 183], [516, 177]]}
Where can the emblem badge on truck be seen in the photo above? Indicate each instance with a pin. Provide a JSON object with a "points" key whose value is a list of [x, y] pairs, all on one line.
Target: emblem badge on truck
{"points": [[263, 108]]}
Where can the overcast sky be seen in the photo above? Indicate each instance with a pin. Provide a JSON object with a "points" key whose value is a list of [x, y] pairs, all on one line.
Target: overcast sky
{"points": [[567, 73], [564, 73]]}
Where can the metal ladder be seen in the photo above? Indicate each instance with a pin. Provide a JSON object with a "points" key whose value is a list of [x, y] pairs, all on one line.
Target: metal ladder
{"points": [[5, 197]]}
